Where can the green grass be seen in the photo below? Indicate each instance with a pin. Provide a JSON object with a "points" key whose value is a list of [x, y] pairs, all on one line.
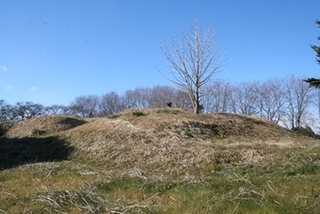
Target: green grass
{"points": [[287, 180]]}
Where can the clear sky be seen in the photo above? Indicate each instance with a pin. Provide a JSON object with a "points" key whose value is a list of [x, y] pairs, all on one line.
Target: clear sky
{"points": [[52, 51]]}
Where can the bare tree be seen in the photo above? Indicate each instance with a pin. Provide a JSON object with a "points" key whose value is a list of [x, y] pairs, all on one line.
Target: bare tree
{"points": [[193, 61], [317, 101], [244, 98], [85, 106], [182, 100], [271, 100], [158, 96], [5, 111], [56, 110], [217, 97], [27, 110], [34, 109], [298, 98], [137, 98], [161, 95], [20, 111], [111, 103]]}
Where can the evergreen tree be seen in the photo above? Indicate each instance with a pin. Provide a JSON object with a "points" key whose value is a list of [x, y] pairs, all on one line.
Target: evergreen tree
{"points": [[314, 82]]}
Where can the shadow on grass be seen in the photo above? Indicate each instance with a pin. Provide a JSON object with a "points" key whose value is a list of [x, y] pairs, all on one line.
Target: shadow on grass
{"points": [[19, 151]]}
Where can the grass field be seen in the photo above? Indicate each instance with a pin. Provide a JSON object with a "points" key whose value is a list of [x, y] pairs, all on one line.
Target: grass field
{"points": [[186, 170]]}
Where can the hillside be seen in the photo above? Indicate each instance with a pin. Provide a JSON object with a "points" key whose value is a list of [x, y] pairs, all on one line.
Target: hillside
{"points": [[154, 137], [157, 161]]}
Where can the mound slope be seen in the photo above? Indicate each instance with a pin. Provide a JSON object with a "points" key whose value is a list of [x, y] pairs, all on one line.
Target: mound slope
{"points": [[160, 137], [188, 124], [157, 137], [43, 125]]}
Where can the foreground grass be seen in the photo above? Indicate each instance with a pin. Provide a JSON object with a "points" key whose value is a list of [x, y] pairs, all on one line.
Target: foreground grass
{"points": [[287, 180]]}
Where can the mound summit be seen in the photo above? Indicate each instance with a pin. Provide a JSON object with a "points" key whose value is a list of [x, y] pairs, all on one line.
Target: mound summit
{"points": [[162, 121]]}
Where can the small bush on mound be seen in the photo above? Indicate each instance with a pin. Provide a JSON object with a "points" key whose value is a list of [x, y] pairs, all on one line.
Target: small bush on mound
{"points": [[304, 131], [38, 132], [138, 113]]}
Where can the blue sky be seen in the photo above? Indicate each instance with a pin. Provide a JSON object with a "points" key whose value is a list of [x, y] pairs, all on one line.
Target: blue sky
{"points": [[52, 51]]}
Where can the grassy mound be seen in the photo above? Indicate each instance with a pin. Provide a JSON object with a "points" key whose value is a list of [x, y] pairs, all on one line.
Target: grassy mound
{"points": [[156, 138], [159, 161]]}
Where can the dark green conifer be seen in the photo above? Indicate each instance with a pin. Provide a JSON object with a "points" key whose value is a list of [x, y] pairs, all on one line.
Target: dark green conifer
{"points": [[314, 82]]}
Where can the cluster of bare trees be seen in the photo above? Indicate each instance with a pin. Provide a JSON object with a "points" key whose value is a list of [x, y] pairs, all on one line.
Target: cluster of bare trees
{"points": [[26, 110], [288, 101], [112, 103], [19, 111], [93, 105]]}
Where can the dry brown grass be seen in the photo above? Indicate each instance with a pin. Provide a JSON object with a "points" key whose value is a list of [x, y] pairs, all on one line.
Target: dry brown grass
{"points": [[187, 123], [159, 138], [43, 125], [162, 161]]}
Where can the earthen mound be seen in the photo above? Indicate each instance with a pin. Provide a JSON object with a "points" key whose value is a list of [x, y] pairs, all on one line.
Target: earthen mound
{"points": [[164, 136]]}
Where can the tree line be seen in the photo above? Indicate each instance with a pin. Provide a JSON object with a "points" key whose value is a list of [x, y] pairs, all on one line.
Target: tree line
{"points": [[288, 101], [194, 59]]}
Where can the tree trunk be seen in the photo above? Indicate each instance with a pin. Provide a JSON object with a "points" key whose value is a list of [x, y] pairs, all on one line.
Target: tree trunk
{"points": [[197, 107]]}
